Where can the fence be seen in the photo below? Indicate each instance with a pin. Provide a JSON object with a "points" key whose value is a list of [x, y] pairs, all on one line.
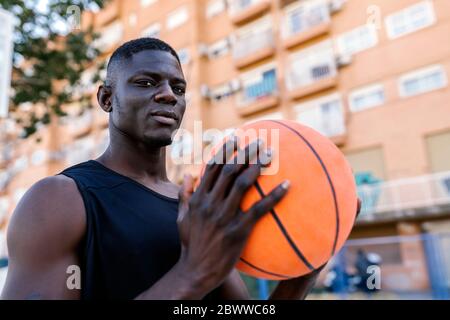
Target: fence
{"points": [[410, 267]]}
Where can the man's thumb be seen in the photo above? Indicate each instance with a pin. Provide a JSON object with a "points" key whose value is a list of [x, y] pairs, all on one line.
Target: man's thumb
{"points": [[187, 188]]}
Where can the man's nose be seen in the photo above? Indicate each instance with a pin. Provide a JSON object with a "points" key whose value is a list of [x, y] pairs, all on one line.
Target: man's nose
{"points": [[165, 95]]}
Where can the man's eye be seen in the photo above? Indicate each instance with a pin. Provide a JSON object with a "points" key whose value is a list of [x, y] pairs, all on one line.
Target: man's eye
{"points": [[146, 83], [179, 90]]}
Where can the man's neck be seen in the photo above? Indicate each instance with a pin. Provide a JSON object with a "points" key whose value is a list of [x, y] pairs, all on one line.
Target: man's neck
{"points": [[135, 160]]}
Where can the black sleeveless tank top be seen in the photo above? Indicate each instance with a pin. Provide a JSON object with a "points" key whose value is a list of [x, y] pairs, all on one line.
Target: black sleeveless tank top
{"points": [[131, 239]]}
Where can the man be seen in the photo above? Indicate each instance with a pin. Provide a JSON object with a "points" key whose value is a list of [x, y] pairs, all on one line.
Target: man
{"points": [[116, 217]]}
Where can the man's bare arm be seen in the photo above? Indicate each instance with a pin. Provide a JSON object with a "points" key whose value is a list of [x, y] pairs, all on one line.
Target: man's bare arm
{"points": [[43, 235]]}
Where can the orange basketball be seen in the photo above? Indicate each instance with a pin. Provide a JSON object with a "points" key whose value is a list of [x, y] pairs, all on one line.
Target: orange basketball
{"points": [[312, 222]]}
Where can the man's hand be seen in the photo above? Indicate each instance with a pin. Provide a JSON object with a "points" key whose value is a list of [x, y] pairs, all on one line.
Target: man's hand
{"points": [[298, 288], [213, 229]]}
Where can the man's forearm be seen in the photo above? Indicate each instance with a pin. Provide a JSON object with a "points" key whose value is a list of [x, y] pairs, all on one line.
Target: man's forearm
{"points": [[295, 289], [177, 284]]}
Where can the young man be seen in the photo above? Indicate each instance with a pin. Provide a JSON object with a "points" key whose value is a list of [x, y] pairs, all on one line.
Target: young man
{"points": [[116, 217]]}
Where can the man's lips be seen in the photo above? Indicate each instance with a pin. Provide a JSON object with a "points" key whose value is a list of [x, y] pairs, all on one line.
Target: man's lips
{"points": [[165, 120], [165, 117]]}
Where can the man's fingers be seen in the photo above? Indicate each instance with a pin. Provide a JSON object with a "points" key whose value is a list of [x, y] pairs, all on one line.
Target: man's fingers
{"points": [[263, 206], [215, 164], [226, 151], [184, 195], [244, 181], [233, 168]]}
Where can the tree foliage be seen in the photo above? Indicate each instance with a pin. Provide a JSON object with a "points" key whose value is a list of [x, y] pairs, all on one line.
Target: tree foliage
{"points": [[46, 52]]}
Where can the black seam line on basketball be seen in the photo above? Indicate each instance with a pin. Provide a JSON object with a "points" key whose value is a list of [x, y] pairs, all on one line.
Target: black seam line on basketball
{"points": [[336, 208], [264, 271], [284, 231]]}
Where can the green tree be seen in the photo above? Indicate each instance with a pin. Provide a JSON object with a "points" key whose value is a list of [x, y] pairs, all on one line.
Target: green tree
{"points": [[47, 49]]}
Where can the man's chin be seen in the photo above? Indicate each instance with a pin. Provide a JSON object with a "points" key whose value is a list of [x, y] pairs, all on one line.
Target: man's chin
{"points": [[157, 142]]}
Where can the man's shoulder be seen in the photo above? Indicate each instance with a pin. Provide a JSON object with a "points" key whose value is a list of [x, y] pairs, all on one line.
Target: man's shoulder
{"points": [[52, 205], [59, 188]]}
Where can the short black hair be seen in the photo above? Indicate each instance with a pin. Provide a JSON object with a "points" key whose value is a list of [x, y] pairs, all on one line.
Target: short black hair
{"points": [[129, 48]]}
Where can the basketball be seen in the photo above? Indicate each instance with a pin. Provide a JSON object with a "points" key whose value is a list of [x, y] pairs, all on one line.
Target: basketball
{"points": [[312, 222]]}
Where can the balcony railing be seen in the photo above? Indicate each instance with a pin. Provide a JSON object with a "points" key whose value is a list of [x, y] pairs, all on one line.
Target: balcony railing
{"points": [[252, 43], [326, 117], [238, 5], [304, 17], [266, 86], [241, 11], [427, 194], [308, 70]]}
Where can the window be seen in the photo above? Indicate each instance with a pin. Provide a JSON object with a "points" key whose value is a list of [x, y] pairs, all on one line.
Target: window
{"points": [[132, 19], [146, 3], [219, 48], [215, 7], [366, 98], [38, 157], [20, 164], [422, 81], [324, 115], [253, 37], [239, 5], [109, 36], [258, 84], [80, 150], [357, 40], [177, 18], [310, 65], [152, 31], [18, 194], [438, 151], [101, 143], [184, 56], [221, 92], [411, 19], [368, 161], [301, 16], [4, 206]]}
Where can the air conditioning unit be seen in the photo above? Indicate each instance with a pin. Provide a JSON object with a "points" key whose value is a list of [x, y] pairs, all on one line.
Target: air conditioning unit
{"points": [[235, 85], [203, 50], [343, 60], [336, 5], [204, 91]]}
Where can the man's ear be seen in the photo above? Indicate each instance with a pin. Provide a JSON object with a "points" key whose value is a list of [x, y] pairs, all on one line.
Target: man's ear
{"points": [[104, 97]]}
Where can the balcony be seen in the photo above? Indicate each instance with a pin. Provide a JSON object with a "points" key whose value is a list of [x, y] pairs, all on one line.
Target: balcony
{"points": [[305, 21], [241, 11], [253, 47], [259, 92], [425, 195], [326, 115], [311, 71]]}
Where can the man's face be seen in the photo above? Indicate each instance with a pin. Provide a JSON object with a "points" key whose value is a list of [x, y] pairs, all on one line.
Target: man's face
{"points": [[149, 97]]}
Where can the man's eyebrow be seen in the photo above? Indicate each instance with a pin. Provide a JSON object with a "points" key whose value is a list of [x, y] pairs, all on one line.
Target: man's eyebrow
{"points": [[155, 74]]}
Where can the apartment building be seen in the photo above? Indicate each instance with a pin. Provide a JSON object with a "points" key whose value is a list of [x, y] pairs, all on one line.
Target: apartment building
{"points": [[372, 75]]}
